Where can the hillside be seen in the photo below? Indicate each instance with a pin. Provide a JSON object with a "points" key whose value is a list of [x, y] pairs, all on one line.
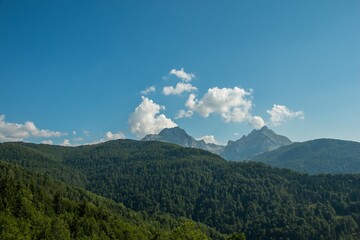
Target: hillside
{"points": [[261, 201], [33, 206], [316, 156]]}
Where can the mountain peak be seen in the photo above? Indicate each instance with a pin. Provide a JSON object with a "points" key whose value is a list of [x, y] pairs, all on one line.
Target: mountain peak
{"points": [[179, 136], [257, 142], [264, 128], [175, 135], [174, 130]]}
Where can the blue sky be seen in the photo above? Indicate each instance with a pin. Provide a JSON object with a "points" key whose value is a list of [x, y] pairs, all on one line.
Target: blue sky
{"points": [[73, 72]]}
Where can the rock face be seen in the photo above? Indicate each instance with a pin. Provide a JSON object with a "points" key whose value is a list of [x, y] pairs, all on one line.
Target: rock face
{"points": [[257, 142], [179, 136]]}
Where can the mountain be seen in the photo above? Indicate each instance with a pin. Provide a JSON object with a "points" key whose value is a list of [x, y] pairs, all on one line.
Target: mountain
{"points": [[316, 156], [258, 141], [161, 178], [178, 136]]}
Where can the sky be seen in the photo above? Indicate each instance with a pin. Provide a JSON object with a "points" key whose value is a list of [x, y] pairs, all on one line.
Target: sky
{"points": [[82, 72]]}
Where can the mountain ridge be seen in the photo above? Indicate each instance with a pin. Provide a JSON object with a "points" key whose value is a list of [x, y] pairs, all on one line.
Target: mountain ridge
{"points": [[179, 136], [256, 142], [316, 156]]}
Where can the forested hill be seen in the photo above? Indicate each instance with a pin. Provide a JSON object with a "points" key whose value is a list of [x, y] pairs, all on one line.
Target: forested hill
{"points": [[261, 201], [316, 156], [34, 206]]}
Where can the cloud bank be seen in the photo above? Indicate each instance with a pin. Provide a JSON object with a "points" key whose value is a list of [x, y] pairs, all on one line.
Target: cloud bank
{"points": [[10, 132], [113, 136], [146, 119], [187, 77], [280, 114], [178, 89], [184, 114], [233, 104], [256, 122], [208, 139], [148, 90]]}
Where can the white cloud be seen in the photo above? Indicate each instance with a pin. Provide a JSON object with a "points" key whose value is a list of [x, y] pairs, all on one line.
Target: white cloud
{"points": [[208, 139], [30, 126], [280, 114], [78, 139], [113, 136], [149, 90], [146, 118], [178, 89], [86, 133], [187, 77], [107, 137], [18, 132], [66, 142], [184, 114], [49, 142], [256, 122], [233, 104], [74, 132]]}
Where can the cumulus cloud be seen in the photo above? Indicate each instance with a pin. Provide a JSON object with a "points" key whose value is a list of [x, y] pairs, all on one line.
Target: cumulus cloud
{"points": [[256, 122], [280, 114], [178, 89], [149, 90], [30, 126], [208, 139], [146, 119], [233, 104], [184, 114], [66, 142], [107, 137], [18, 132], [49, 142], [113, 136], [187, 77]]}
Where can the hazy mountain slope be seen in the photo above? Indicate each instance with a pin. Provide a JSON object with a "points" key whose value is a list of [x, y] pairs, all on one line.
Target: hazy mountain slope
{"points": [[258, 141], [316, 156]]}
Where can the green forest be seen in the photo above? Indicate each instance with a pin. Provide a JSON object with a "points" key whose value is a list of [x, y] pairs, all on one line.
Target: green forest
{"points": [[153, 190], [33, 206]]}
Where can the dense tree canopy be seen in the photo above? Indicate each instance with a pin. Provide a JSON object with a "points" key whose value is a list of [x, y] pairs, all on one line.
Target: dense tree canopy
{"points": [[261, 201], [33, 206]]}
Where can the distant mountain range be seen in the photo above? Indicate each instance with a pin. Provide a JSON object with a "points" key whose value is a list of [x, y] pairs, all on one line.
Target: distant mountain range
{"points": [[264, 145], [257, 142]]}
